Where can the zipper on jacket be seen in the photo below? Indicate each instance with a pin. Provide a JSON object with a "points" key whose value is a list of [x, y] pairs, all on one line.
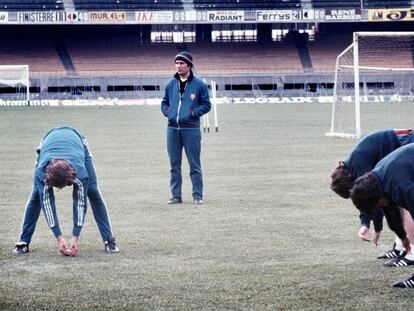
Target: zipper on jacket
{"points": [[178, 112], [179, 103]]}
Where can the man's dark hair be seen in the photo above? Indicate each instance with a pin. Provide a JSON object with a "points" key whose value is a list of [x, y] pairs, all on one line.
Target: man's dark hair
{"points": [[59, 173], [342, 181], [366, 193]]}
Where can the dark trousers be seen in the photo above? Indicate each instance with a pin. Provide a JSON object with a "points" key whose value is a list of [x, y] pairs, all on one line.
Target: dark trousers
{"points": [[190, 141]]}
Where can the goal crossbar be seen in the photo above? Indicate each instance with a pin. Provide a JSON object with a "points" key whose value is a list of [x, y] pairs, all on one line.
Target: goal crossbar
{"points": [[369, 52], [378, 68]]}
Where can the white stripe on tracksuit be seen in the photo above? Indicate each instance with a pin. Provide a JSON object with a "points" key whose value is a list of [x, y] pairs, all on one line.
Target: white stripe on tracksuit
{"points": [[81, 203], [48, 207]]}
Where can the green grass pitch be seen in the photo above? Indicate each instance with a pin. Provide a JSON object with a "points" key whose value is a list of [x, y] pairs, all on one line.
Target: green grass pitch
{"points": [[270, 236]]}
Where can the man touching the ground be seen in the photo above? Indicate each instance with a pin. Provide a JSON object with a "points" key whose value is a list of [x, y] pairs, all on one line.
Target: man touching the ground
{"points": [[390, 185], [64, 160], [363, 158]]}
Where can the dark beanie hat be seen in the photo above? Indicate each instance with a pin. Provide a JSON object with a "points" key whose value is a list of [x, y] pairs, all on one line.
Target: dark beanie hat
{"points": [[186, 57]]}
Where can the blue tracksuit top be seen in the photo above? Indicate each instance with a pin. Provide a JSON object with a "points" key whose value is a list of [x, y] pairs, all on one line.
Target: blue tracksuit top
{"points": [[185, 111], [67, 144], [395, 175], [370, 150]]}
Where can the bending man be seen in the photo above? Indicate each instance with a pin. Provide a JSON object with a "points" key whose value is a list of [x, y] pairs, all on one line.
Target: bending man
{"points": [[363, 158], [64, 160], [390, 185]]}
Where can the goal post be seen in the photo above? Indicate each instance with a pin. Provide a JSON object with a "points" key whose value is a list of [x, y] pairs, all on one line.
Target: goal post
{"points": [[16, 76], [372, 56]]}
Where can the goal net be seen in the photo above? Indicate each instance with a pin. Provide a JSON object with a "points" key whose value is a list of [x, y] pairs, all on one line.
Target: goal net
{"points": [[14, 82], [376, 66]]}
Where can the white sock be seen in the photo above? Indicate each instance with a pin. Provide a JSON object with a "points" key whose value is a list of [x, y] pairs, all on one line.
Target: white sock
{"points": [[398, 244], [410, 255]]}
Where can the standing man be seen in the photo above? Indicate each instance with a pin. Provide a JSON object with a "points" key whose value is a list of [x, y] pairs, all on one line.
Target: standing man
{"points": [[390, 185], [363, 158], [64, 160], [185, 100]]}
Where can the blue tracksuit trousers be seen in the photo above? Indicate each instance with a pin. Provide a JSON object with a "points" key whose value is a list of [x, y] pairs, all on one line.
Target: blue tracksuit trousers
{"points": [[190, 140]]}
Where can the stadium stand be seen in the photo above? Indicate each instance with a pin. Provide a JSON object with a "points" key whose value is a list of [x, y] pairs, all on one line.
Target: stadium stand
{"points": [[40, 55], [115, 50], [324, 50], [247, 58], [21, 46], [98, 55], [128, 4], [393, 57], [30, 5], [246, 4], [118, 60], [301, 43]]}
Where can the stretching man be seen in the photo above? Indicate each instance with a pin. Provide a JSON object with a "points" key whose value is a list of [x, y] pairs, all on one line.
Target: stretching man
{"points": [[64, 160], [390, 185], [363, 158]]}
